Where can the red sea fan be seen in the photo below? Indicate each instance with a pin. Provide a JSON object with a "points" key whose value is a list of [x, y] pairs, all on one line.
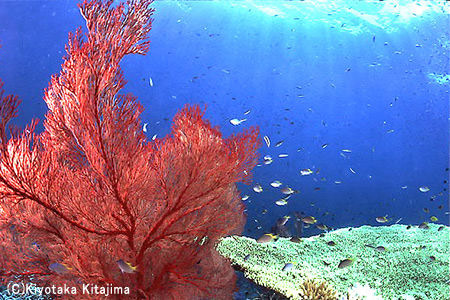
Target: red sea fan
{"points": [[91, 190]]}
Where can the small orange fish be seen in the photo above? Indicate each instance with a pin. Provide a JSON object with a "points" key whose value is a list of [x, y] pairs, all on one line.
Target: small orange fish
{"points": [[382, 219], [345, 263], [126, 267], [309, 220], [306, 172], [266, 238], [59, 268], [424, 225], [378, 248], [322, 227], [288, 191]]}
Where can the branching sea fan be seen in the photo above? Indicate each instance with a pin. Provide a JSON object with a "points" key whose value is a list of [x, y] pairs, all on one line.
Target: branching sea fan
{"points": [[91, 200]]}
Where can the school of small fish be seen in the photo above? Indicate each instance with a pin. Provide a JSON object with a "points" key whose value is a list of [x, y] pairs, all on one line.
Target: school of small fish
{"points": [[286, 193], [309, 220]]}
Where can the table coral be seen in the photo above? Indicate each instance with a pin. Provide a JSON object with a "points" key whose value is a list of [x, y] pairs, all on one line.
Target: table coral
{"points": [[414, 263]]}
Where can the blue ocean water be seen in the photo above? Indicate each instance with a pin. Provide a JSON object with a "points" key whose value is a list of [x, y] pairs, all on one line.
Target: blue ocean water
{"points": [[372, 78]]}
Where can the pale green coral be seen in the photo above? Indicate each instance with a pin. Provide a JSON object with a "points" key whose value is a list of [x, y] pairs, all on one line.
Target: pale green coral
{"points": [[415, 263]]}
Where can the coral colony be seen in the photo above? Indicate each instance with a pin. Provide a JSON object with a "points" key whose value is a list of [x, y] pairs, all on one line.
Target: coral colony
{"points": [[92, 204], [384, 262]]}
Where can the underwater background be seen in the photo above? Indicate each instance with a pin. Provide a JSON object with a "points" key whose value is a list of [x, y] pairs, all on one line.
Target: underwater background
{"points": [[355, 91]]}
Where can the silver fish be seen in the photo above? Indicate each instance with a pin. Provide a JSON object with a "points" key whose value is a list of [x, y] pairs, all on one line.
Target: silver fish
{"points": [[267, 140], [287, 267]]}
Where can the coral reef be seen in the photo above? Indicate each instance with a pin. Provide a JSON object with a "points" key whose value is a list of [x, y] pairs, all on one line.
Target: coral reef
{"points": [[312, 290], [414, 262], [91, 200], [359, 292], [6, 294]]}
